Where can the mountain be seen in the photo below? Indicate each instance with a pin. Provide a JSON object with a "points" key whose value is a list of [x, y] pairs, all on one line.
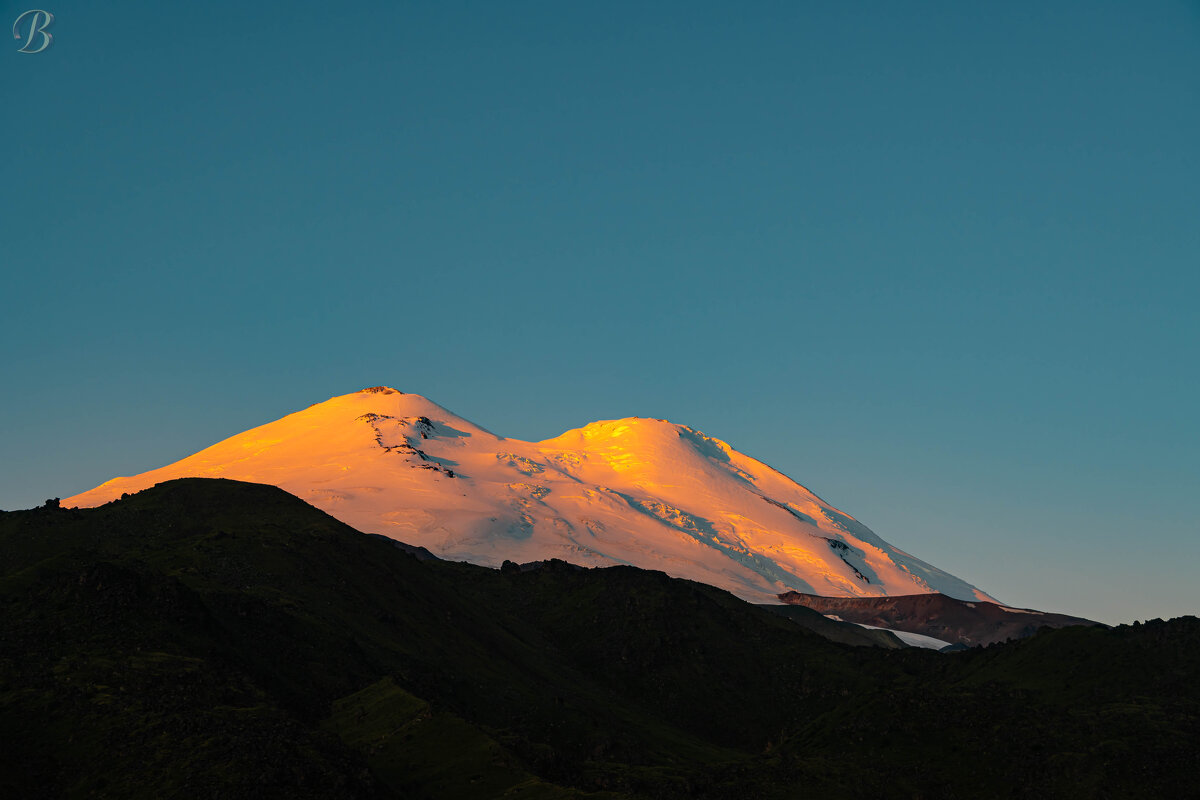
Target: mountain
{"points": [[210, 638], [946, 618], [645, 492]]}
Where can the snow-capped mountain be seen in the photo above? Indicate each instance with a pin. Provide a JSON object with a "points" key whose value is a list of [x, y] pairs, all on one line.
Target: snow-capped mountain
{"points": [[634, 491]]}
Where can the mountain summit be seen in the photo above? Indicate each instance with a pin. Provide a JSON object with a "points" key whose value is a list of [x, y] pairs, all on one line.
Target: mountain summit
{"points": [[645, 492]]}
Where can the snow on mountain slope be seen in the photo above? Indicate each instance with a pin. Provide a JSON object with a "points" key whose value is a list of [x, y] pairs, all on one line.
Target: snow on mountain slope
{"points": [[634, 491], [911, 639]]}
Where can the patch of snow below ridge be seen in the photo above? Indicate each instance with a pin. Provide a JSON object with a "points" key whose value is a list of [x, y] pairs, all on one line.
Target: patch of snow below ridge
{"points": [[911, 639]]}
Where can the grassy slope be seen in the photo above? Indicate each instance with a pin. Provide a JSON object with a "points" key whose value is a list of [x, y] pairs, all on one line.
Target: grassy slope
{"points": [[216, 638]]}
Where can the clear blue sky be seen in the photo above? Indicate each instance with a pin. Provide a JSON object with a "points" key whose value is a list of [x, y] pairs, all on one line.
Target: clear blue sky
{"points": [[937, 261]]}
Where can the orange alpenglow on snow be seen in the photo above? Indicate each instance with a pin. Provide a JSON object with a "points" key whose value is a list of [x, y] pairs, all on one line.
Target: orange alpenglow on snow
{"points": [[634, 491]]}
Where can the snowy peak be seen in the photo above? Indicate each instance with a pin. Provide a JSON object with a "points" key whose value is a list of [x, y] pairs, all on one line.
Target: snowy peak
{"points": [[629, 429], [638, 491]]}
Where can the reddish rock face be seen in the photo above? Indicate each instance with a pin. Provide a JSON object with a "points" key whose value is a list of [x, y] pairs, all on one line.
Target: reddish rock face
{"points": [[937, 615]]}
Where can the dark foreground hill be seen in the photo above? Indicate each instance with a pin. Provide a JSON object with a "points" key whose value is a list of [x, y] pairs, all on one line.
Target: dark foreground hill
{"points": [[216, 639], [937, 615]]}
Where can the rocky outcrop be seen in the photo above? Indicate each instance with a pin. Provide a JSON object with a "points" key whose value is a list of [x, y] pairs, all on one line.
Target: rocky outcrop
{"points": [[937, 615]]}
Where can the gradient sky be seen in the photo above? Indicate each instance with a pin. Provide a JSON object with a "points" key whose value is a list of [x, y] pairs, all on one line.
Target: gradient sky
{"points": [[936, 261]]}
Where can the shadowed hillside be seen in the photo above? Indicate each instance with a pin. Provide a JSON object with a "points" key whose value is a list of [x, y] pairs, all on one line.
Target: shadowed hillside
{"points": [[207, 638]]}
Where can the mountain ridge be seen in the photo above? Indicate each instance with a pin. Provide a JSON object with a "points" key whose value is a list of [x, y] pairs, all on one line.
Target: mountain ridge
{"points": [[943, 617]]}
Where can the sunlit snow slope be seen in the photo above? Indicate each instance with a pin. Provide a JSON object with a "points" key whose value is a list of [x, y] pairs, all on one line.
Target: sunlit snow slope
{"points": [[632, 491]]}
